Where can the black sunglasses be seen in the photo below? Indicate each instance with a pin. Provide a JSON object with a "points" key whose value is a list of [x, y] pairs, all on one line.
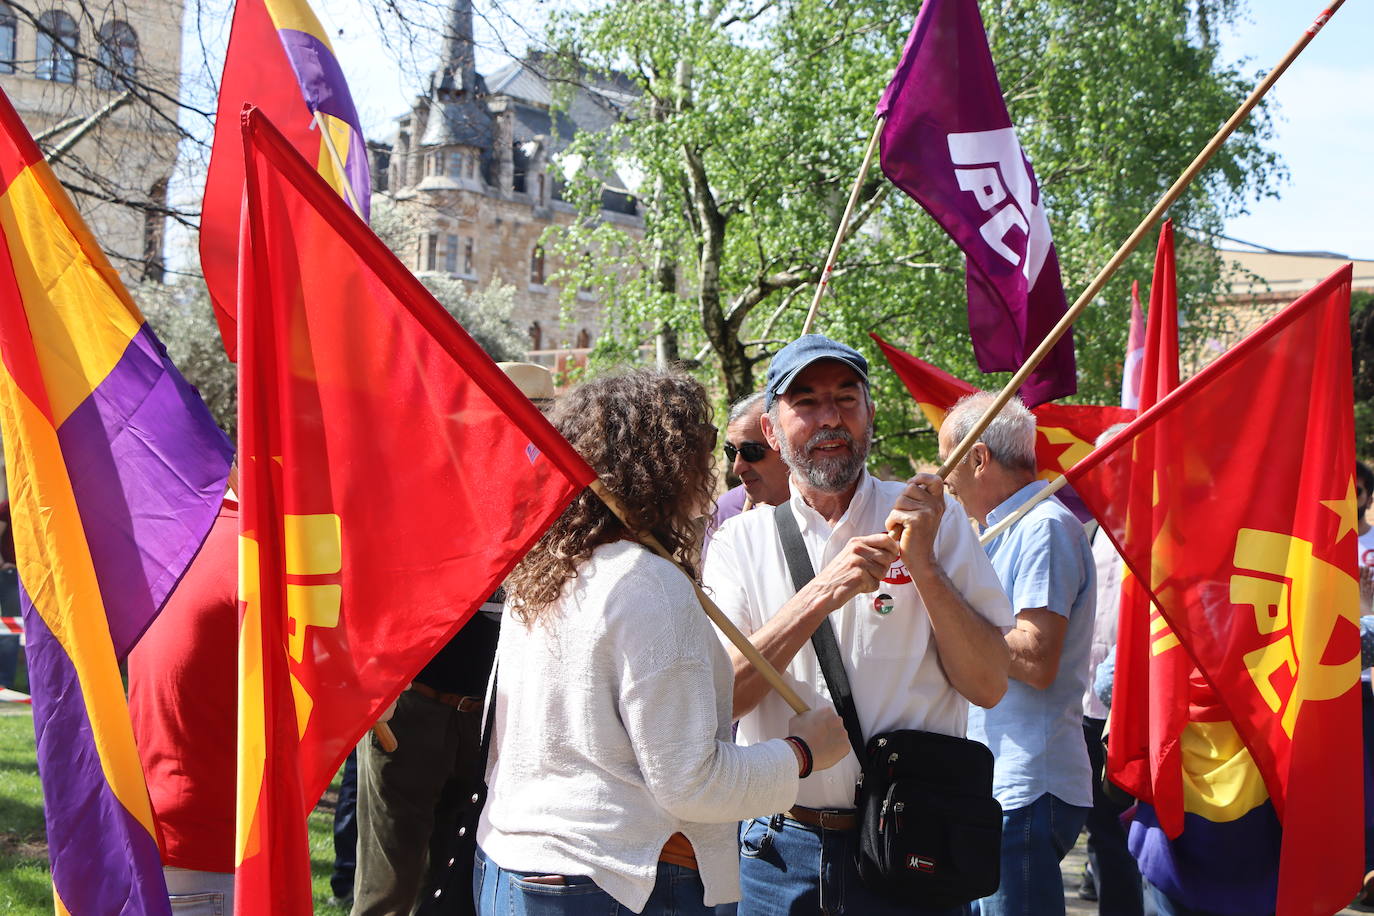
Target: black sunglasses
{"points": [[753, 452]]}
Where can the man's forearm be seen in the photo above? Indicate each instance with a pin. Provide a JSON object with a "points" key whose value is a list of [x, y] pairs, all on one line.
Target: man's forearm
{"points": [[778, 640], [1036, 644], [1027, 661], [972, 651]]}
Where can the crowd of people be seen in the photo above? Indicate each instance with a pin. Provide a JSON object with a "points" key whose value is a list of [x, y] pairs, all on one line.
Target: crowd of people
{"points": [[634, 760]]}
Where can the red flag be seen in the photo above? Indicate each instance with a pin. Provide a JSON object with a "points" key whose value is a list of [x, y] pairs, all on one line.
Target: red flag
{"points": [[392, 476], [279, 58], [1150, 694], [1064, 433], [1252, 563]]}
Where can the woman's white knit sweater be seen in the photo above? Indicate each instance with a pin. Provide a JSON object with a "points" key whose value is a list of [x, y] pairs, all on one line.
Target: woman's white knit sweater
{"points": [[612, 733]]}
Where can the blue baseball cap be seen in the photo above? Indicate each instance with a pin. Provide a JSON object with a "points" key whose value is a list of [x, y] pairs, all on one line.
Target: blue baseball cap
{"points": [[792, 359]]}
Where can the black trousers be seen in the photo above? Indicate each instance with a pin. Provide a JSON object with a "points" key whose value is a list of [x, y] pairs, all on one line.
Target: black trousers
{"points": [[410, 805]]}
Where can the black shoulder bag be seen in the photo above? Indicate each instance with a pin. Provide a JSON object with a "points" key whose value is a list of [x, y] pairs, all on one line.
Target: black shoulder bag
{"points": [[930, 831]]}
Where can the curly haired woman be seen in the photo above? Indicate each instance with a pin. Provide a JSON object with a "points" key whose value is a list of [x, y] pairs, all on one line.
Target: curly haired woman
{"points": [[614, 784]]}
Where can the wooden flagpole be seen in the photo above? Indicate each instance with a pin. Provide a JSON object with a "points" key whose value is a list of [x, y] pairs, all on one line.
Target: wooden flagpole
{"points": [[1100, 280], [343, 176], [1055, 486], [723, 623], [844, 225], [1170, 196]]}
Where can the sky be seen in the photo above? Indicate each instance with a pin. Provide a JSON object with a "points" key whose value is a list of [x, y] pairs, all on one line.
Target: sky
{"points": [[1324, 129], [1323, 124]]}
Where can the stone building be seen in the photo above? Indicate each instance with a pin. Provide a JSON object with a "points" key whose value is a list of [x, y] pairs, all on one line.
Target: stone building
{"points": [[474, 167], [1260, 282], [97, 87]]}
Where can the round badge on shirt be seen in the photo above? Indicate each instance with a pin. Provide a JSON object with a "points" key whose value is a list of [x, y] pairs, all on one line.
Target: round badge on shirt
{"points": [[883, 604]]}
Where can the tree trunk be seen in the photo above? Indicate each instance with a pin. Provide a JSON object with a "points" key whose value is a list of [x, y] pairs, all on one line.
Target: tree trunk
{"points": [[666, 354]]}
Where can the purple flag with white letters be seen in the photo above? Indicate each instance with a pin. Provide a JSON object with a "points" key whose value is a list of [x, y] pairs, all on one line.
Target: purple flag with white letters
{"points": [[949, 143]]}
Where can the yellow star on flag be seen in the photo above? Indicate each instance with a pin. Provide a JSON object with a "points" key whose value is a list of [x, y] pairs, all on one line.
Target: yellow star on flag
{"points": [[1345, 508]]}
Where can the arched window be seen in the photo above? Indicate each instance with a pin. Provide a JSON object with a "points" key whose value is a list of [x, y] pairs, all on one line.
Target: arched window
{"points": [[118, 55], [537, 266], [536, 336], [56, 47], [584, 340], [8, 27]]}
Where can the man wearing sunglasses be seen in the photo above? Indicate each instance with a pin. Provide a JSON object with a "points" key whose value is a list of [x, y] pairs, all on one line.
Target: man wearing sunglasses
{"points": [[763, 476]]}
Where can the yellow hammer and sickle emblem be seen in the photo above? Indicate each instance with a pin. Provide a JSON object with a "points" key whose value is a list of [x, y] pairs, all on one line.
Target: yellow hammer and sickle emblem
{"points": [[1299, 609], [314, 547]]}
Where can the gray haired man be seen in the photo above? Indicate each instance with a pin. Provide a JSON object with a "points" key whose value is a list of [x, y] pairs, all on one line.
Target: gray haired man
{"points": [[1042, 777]]}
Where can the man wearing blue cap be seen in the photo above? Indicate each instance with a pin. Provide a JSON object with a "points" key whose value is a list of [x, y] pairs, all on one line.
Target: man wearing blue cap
{"points": [[918, 622]]}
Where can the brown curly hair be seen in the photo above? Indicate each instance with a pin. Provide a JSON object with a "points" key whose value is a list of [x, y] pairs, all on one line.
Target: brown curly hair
{"points": [[648, 435]]}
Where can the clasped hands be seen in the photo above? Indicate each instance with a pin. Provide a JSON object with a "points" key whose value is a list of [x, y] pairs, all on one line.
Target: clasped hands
{"points": [[911, 528]]}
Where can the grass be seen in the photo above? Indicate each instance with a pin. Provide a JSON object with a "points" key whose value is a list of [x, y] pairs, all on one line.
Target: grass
{"points": [[24, 882]]}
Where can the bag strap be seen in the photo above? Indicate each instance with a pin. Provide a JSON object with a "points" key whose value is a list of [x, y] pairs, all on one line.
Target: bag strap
{"points": [[823, 640]]}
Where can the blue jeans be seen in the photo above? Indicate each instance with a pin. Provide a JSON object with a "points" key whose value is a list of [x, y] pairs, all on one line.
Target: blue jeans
{"points": [[346, 830], [199, 893], [1035, 840], [790, 868], [498, 892]]}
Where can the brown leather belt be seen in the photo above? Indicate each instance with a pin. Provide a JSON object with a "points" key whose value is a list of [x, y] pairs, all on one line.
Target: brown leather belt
{"points": [[460, 703], [825, 818]]}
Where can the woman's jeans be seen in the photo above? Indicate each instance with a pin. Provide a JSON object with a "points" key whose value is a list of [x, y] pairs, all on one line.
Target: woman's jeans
{"points": [[498, 892]]}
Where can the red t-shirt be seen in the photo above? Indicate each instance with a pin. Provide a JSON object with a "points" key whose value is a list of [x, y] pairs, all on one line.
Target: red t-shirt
{"points": [[182, 697]]}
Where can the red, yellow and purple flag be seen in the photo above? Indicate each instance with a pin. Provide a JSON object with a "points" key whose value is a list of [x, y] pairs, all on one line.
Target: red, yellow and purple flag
{"points": [[1252, 511], [279, 59], [948, 142], [1226, 859], [115, 471], [392, 477]]}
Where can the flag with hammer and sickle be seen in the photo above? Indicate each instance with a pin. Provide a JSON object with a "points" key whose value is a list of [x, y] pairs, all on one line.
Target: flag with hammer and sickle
{"points": [[1251, 562], [392, 476]]}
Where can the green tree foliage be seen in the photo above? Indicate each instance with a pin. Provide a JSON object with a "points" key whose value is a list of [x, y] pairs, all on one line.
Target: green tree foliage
{"points": [[1362, 352], [184, 321], [750, 129]]}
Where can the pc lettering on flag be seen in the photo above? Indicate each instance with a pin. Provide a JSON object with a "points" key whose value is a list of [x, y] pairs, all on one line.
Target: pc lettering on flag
{"points": [[279, 58], [392, 477], [1260, 589], [949, 143], [115, 472]]}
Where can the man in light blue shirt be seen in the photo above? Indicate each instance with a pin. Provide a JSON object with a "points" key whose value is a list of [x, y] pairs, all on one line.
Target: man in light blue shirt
{"points": [[1042, 778]]}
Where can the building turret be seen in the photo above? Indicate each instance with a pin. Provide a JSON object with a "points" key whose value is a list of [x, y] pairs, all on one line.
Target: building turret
{"points": [[455, 144]]}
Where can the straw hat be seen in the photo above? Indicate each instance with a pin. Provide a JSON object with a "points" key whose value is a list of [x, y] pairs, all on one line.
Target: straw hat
{"points": [[533, 380]]}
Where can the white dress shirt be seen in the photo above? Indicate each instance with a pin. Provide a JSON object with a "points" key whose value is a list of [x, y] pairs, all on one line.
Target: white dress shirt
{"points": [[890, 658]]}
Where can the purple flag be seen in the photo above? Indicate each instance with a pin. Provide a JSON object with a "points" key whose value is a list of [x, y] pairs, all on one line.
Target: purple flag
{"points": [[116, 471], [949, 143]]}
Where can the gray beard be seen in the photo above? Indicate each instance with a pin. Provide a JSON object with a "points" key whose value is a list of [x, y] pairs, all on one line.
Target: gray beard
{"points": [[831, 475]]}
